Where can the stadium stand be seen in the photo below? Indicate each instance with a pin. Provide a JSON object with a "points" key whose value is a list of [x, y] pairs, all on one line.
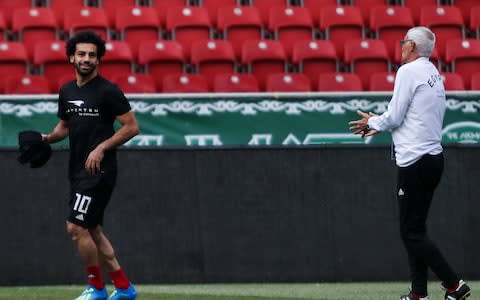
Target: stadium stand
{"points": [[475, 21], [161, 57], [315, 6], [340, 24], [162, 6], [32, 25], [13, 59], [60, 7], [465, 7], [383, 81], [264, 6], [452, 81], [135, 83], [50, 58], [3, 27], [235, 83], [365, 5], [185, 83], [238, 24], [475, 82], [289, 25], [262, 58], [365, 57], [288, 82], [463, 55], [346, 82], [212, 57], [415, 7], [137, 24], [313, 57], [118, 59], [112, 6], [7, 7], [213, 6], [86, 18], [27, 84]]}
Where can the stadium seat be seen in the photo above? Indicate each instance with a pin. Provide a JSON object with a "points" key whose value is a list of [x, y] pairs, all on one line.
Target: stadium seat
{"points": [[235, 83], [59, 8], [383, 81], [34, 24], [188, 24], [111, 8], [239, 24], [340, 24], [13, 59], [465, 7], [162, 6], [475, 82], [365, 57], [50, 58], [390, 24], [264, 6], [335, 82], [453, 81], [315, 6], [463, 55], [185, 83], [27, 84], [416, 6], [7, 7], [212, 57], [3, 27], [263, 57], [118, 59], [475, 21], [86, 18], [160, 58], [289, 25], [366, 5], [137, 24], [213, 6], [288, 82], [445, 21], [314, 57], [135, 83]]}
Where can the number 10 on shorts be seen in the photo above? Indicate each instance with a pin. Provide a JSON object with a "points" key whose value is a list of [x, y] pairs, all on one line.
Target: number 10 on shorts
{"points": [[81, 203]]}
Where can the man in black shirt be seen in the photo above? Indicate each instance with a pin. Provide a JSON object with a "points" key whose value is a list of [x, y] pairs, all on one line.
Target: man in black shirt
{"points": [[87, 109]]}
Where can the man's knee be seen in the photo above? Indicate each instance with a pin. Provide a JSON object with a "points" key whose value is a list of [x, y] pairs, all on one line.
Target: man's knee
{"points": [[75, 231]]}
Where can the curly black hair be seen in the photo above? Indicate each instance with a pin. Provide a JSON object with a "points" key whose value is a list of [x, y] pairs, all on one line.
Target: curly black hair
{"points": [[89, 37]]}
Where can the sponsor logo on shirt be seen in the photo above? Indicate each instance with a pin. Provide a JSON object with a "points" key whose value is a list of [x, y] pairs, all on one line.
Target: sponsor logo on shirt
{"points": [[82, 111], [78, 103]]}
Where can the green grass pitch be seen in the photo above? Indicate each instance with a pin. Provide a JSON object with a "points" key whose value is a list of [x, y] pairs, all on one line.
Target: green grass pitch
{"points": [[277, 291]]}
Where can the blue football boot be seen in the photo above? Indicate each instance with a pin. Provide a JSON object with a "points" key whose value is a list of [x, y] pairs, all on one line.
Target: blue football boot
{"points": [[124, 294], [91, 293]]}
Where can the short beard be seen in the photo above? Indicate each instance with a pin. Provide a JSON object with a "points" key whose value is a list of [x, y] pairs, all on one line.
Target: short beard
{"points": [[84, 73]]}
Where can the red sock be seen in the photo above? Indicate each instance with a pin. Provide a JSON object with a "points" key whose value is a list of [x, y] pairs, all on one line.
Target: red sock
{"points": [[417, 295], [119, 279], [453, 288], [95, 277]]}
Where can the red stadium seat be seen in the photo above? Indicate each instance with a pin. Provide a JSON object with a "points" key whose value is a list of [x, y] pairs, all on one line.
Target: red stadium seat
{"points": [[27, 84], [416, 6], [3, 27], [290, 24], [162, 6], [335, 82], [315, 6], [135, 83], [13, 59], [340, 24], [475, 21], [453, 82], [213, 6], [137, 24], [188, 24], [365, 57], [383, 81], [475, 82], [445, 21], [7, 7], [390, 24], [111, 8], [465, 7], [264, 6], [315, 57], [235, 83], [185, 83], [288, 82], [264, 57], [464, 58], [86, 18], [239, 24], [366, 5], [118, 59], [59, 8], [50, 57], [161, 58], [212, 57], [33, 25]]}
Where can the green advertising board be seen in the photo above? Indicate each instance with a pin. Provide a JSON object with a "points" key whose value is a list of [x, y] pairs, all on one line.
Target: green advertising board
{"points": [[257, 119]]}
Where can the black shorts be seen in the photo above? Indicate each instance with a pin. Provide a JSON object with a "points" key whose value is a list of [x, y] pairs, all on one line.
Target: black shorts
{"points": [[89, 197]]}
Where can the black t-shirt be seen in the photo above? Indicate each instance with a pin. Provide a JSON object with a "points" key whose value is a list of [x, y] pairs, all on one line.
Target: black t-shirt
{"points": [[90, 112]]}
